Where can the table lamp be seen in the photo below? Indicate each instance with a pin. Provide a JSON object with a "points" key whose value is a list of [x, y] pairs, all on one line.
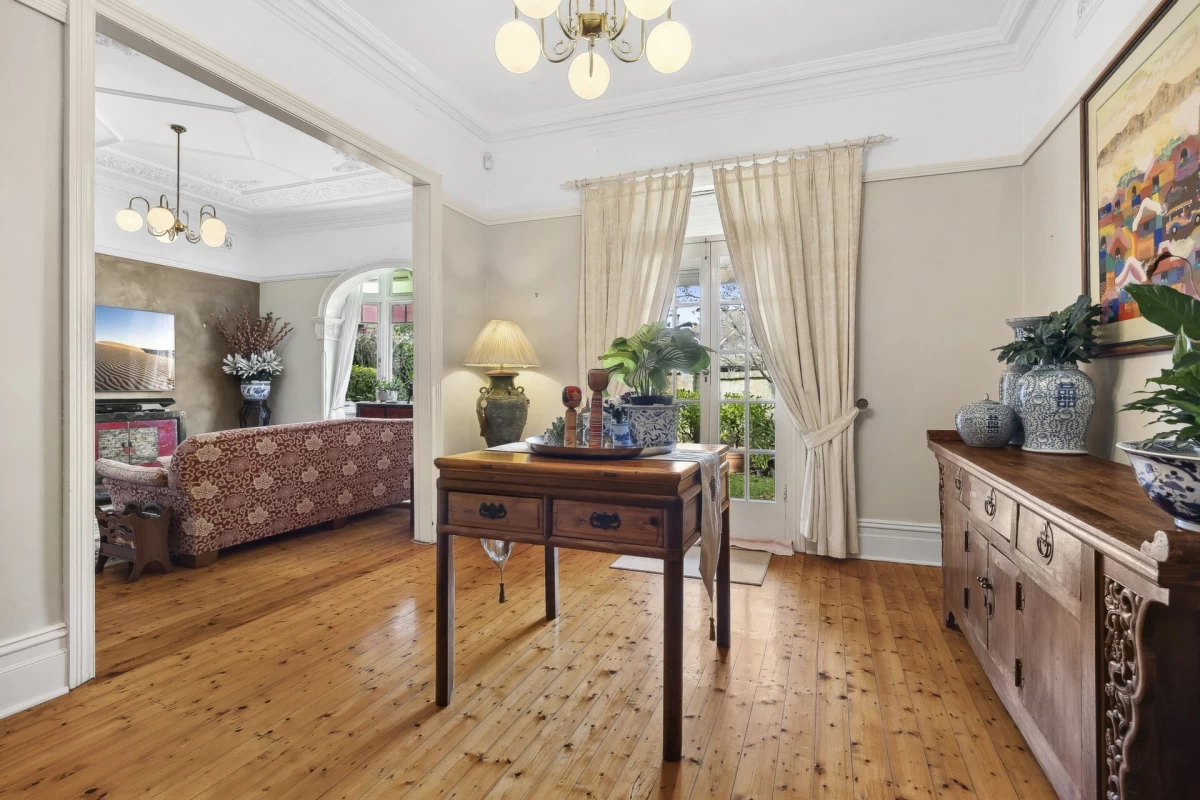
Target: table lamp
{"points": [[502, 407]]}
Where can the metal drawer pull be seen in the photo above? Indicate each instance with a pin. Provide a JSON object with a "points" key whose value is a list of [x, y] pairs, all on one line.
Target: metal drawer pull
{"points": [[989, 505], [958, 480], [492, 510], [605, 522], [1045, 543]]}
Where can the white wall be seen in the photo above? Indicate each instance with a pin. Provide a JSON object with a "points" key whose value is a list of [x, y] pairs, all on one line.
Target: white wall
{"points": [[32, 638], [329, 252], [296, 395]]}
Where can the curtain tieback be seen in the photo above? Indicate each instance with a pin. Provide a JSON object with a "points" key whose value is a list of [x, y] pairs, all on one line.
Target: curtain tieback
{"points": [[831, 431]]}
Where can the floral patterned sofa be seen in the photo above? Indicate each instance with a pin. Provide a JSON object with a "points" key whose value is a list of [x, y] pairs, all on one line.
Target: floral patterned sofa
{"points": [[237, 486]]}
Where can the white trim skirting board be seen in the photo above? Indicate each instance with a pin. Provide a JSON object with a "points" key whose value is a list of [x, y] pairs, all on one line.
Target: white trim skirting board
{"points": [[33, 669], [900, 542]]}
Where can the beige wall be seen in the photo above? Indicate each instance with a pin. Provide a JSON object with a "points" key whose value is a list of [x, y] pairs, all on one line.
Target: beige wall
{"points": [[464, 301], [31, 266], [932, 300], [1052, 256], [208, 396], [297, 394]]}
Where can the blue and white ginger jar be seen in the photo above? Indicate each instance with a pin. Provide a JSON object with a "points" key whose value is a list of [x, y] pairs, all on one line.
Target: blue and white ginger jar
{"points": [[1055, 403], [986, 423]]}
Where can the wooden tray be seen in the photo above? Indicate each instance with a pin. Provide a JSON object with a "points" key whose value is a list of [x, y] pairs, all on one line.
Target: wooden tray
{"points": [[592, 453]]}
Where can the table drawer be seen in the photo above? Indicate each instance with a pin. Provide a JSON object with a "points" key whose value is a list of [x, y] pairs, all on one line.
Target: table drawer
{"points": [[992, 507], [495, 512], [590, 520], [1051, 548]]}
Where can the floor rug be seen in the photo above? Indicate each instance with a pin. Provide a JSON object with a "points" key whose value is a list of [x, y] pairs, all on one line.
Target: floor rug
{"points": [[746, 566]]}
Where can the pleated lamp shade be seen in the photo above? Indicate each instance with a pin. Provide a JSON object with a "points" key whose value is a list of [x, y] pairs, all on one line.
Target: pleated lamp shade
{"points": [[502, 345]]}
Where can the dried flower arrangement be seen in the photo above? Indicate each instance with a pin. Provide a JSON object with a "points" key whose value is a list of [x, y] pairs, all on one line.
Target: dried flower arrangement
{"points": [[252, 341]]}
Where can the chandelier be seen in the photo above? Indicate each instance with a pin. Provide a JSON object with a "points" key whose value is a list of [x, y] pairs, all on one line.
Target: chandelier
{"points": [[519, 47], [165, 223]]}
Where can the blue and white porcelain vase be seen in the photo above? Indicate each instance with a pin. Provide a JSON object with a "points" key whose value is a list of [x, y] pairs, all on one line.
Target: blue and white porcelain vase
{"points": [[1169, 477], [256, 390], [1055, 403], [1011, 377], [654, 426]]}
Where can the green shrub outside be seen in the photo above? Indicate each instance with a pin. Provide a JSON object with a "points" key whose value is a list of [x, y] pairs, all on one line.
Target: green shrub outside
{"points": [[362, 383]]}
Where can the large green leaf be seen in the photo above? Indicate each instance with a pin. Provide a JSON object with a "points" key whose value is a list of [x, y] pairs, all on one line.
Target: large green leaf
{"points": [[1167, 308]]}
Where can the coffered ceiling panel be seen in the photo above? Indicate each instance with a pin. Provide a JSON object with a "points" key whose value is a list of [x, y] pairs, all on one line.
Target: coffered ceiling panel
{"points": [[454, 40]]}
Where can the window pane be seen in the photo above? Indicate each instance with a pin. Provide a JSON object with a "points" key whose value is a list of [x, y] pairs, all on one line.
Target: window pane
{"points": [[687, 387], [370, 312], [733, 376], [402, 357], [689, 423], [729, 287], [762, 426], [733, 424], [762, 477], [402, 312], [735, 329], [737, 476], [687, 287], [366, 345], [688, 317], [761, 386], [371, 286], [402, 282]]}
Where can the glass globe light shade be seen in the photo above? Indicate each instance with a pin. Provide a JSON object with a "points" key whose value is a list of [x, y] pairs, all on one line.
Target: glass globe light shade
{"points": [[212, 232], [166, 237], [160, 218], [129, 220], [517, 46], [668, 47], [538, 9], [647, 9], [588, 75]]}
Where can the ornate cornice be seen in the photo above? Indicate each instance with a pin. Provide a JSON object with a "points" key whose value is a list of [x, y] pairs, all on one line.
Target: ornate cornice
{"points": [[328, 329]]}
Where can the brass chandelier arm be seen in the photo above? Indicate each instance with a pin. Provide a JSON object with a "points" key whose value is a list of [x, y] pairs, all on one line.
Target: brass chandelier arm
{"points": [[615, 45], [562, 50]]}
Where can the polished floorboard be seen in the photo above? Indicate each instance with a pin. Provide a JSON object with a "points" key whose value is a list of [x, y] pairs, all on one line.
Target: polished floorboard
{"points": [[302, 667]]}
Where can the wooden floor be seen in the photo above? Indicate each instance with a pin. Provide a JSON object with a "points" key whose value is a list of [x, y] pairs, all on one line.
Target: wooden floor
{"points": [[303, 667]]}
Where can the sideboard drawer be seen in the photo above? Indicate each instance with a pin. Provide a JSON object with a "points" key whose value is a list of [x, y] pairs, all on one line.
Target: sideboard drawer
{"points": [[958, 484], [992, 507], [498, 512], [1051, 548], [632, 524]]}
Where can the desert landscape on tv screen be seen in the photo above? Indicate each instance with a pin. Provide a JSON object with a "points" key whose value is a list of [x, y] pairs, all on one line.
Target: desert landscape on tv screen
{"points": [[135, 350]]}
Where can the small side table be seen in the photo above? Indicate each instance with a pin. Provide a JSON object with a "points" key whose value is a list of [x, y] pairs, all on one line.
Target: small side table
{"points": [[254, 414], [137, 534]]}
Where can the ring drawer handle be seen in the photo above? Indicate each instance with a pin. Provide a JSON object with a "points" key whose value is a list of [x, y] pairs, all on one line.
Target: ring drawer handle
{"points": [[989, 505], [492, 510], [958, 480], [1045, 543], [605, 522]]}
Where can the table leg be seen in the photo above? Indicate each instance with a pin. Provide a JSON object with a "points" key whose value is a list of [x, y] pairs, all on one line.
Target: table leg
{"points": [[723, 636], [672, 660], [445, 619], [551, 582]]}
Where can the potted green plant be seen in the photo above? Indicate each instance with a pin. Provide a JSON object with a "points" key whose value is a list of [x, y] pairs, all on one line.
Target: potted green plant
{"points": [[1055, 399], [1167, 465], [388, 391], [644, 362]]}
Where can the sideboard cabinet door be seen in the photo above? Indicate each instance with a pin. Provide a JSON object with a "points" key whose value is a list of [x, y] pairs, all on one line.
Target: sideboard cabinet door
{"points": [[1004, 627], [954, 560], [976, 594]]}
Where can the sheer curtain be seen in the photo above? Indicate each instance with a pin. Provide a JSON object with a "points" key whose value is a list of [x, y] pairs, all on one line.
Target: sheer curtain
{"points": [[632, 243], [793, 231], [343, 358]]}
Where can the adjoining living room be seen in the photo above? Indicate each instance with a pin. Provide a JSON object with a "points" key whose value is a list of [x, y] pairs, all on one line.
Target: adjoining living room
{"points": [[249, 404]]}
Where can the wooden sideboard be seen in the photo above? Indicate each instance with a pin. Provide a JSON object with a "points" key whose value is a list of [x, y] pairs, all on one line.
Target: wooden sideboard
{"points": [[383, 410], [1082, 602]]}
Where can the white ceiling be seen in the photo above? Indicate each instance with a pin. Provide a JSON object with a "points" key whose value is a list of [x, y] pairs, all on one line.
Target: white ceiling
{"points": [[453, 40], [232, 155]]}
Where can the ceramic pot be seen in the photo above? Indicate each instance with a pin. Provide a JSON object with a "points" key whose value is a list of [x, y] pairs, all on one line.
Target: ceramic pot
{"points": [[502, 409], [1170, 478], [256, 390], [986, 423], [1010, 379], [654, 426], [1055, 403], [385, 395]]}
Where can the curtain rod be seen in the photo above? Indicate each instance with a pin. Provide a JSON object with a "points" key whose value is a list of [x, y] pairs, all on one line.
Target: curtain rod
{"points": [[797, 152]]}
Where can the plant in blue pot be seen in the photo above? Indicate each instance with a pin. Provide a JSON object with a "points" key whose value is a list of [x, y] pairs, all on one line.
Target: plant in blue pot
{"points": [[1167, 465], [1055, 399], [644, 362]]}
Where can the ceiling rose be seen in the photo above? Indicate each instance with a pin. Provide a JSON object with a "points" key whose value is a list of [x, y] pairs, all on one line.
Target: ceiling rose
{"points": [[519, 46], [165, 223]]}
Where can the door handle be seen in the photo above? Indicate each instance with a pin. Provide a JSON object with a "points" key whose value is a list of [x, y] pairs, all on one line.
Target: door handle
{"points": [[1045, 543], [989, 598], [989, 505]]}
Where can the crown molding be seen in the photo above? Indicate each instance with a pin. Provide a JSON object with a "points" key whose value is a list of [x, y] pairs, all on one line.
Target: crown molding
{"points": [[55, 9], [164, 261], [337, 219], [1005, 47]]}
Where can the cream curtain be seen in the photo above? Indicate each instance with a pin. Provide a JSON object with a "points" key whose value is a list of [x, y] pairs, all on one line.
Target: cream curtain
{"points": [[632, 243], [793, 228], [344, 354]]}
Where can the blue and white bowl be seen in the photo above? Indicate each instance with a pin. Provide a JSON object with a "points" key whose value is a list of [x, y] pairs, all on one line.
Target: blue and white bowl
{"points": [[1170, 478]]}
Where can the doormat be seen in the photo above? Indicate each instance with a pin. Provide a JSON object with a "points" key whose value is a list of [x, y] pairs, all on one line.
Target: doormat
{"points": [[745, 566]]}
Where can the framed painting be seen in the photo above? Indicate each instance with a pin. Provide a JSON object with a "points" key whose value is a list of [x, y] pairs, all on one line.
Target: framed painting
{"points": [[1141, 174]]}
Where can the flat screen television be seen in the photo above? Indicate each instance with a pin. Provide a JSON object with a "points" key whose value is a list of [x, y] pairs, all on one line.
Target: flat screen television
{"points": [[135, 350]]}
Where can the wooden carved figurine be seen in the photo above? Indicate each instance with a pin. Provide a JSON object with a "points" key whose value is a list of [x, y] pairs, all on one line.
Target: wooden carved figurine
{"points": [[572, 397], [598, 383]]}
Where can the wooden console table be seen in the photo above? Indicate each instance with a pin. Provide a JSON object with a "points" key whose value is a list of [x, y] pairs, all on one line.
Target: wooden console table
{"points": [[648, 508], [1082, 602]]}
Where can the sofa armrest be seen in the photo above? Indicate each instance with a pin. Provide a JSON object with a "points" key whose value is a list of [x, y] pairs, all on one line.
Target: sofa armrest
{"points": [[131, 473]]}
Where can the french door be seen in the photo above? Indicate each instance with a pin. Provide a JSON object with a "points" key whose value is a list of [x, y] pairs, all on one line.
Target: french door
{"points": [[733, 402]]}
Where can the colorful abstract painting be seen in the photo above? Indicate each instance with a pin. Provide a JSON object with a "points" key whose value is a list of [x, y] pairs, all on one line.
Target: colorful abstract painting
{"points": [[1142, 123]]}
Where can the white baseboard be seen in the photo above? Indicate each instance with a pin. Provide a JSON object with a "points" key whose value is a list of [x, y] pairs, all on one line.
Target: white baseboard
{"points": [[900, 542], [33, 669]]}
